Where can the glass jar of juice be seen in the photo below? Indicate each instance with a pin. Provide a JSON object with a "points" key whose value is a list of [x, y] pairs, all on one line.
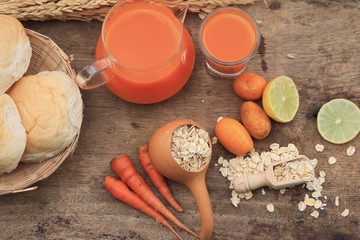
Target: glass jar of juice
{"points": [[228, 38], [145, 54]]}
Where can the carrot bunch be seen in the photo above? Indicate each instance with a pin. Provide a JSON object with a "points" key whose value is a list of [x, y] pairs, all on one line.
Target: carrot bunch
{"points": [[141, 197], [121, 191], [157, 179]]}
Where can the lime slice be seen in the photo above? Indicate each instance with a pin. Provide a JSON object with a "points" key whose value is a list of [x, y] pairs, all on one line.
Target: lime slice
{"points": [[338, 121], [281, 99]]}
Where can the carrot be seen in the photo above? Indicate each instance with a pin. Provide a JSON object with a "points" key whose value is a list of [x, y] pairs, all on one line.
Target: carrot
{"points": [[119, 190], [124, 168], [157, 179]]}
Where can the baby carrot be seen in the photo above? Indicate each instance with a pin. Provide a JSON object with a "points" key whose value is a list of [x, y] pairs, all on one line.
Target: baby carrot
{"points": [[157, 179], [119, 190], [124, 168]]}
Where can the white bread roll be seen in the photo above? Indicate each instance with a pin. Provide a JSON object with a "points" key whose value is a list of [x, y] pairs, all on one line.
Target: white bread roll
{"points": [[15, 51], [50, 107], [12, 135]]}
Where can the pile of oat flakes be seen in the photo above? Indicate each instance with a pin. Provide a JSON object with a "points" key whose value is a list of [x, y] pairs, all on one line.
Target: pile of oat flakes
{"points": [[255, 163], [190, 147]]}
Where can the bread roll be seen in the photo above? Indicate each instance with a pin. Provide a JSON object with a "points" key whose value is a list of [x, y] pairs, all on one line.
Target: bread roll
{"points": [[12, 135], [15, 51], [50, 107]]}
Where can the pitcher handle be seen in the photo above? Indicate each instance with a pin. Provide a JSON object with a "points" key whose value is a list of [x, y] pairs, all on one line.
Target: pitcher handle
{"points": [[89, 78]]}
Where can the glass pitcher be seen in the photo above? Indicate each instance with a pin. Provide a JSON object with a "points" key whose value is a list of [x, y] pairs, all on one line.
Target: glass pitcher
{"points": [[144, 54]]}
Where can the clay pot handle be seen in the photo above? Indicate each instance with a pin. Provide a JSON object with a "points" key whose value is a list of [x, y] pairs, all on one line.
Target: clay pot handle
{"points": [[198, 188]]}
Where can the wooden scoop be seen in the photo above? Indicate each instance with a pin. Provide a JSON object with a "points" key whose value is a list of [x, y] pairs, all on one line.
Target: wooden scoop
{"points": [[267, 178], [160, 154]]}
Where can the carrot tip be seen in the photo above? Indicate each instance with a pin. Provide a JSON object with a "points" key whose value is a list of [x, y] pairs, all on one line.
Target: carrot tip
{"points": [[179, 209]]}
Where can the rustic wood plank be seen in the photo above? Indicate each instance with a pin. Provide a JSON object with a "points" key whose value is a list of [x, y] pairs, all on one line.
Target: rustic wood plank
{"points": [[72, 204]]}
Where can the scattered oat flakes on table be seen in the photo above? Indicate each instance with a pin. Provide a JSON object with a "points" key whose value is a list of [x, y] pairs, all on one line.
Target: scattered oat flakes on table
{"points": [[274, 146], [309, 201], [350, 151], [345, 212], [235, 200], [318, 204], [315, 214], [263, 191], [270, 207], [260, 22], [248, 195], [316, 194], [319, 147], [291, 55], [332, 160], [301, 206], [220, 160]]}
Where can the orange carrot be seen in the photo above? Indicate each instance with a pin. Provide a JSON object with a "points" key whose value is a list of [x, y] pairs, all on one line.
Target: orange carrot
{"points": [[157, 179], [119, 190], [124, 168]]}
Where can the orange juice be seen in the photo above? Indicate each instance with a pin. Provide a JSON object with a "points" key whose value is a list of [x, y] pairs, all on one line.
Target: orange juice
{"points": [[228, 38], [154, 54]]}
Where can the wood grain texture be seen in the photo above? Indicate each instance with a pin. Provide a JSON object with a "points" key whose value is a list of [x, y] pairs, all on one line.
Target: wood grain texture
{"points": [[72, 204]]}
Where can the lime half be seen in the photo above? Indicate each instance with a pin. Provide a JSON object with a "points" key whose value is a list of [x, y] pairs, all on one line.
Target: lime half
{"points": [[338, 121], [281, 99]]}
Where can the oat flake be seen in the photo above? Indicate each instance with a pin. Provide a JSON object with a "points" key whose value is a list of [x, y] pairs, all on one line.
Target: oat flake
{"points": [[309, 201], [235, 201], [263, 191], [319, 147], [274, 146], [350, 151], [291, 55], [345, 212], [332, 160], [315, 214], [316, 194], [270, 207], [301, 206], [318, 204]]}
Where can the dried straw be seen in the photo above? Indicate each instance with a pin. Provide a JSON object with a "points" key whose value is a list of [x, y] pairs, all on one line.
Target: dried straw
{"points": [[48, 56], [87, 10]]}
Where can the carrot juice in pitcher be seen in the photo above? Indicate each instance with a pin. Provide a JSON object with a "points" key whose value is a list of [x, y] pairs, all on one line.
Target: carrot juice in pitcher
{"points": [[152, 53]]}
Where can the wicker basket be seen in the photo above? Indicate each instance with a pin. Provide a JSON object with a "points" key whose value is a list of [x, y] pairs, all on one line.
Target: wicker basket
{"points": [[46, 56]]}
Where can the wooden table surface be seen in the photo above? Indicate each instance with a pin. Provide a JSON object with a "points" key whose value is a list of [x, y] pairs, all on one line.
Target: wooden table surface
{"points": [[72, 203]]}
